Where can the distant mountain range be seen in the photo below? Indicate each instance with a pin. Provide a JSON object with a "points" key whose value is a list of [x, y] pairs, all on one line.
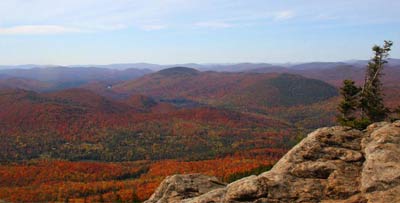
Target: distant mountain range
{"points": [[248, 90], [225, 67], [146, 113], [302, 94], [97, 109], [50, 78], [66, 77]]}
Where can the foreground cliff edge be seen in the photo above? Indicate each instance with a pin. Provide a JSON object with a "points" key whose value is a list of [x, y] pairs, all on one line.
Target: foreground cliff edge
{"points": [[331, 165]]}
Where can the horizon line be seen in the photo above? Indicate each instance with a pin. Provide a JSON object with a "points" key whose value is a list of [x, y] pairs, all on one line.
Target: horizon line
{"points": [[196, 63]]}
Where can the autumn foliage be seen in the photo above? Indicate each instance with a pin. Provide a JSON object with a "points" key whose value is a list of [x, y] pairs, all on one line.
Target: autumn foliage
{"points": [[117, 145], [38, 181], [142, 140]]}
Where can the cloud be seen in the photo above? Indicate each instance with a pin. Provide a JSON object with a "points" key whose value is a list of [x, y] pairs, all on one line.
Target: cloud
{"points": [[153, 27], [284, 15], [108, 15], [213, 24], [111, 27], [37, 30], [56, 29]]}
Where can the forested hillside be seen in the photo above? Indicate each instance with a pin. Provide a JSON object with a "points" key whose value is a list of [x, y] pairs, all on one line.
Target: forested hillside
{"points": [[80, 125], [116, 140], [237, 90]]}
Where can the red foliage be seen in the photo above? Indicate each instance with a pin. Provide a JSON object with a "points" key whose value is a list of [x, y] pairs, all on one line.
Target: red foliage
{"points": [[93, 181]]}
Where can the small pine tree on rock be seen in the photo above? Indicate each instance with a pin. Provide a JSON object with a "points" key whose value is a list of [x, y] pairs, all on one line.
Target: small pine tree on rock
{"points": [[372, 96], [362, 106], [348, 107]]}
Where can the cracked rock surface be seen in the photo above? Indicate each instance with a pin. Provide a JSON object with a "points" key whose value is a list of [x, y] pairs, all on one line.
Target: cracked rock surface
{"points": [[331, 165]]}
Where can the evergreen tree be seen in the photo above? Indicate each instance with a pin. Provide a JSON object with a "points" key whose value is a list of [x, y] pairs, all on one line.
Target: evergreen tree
{"points": [[367, 101], [372, 97], [349, 105]]}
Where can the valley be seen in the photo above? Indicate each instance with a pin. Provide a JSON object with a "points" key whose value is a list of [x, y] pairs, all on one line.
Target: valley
{"points": [[114, 135]]}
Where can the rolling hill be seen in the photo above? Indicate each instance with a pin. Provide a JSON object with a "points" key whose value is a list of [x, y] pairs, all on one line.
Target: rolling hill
{"points": [[66, 77], [239, 90], [77, 124], [335, 73], [177, 120], [24, 83]]}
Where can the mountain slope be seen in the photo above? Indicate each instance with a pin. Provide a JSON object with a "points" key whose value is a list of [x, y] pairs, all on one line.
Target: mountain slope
{"points": [[241, 90], [335, 75], [77, 124], [88, 99], [65, 77], [23, 83]]}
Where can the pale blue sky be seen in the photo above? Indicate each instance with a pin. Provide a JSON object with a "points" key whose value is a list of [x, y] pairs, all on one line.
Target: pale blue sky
{"points": [[201, 31]]}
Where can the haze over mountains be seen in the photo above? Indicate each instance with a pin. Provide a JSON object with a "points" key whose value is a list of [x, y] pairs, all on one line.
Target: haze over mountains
{"points": [[50, 78], [246, 86], [249, 90], [212, 66]]}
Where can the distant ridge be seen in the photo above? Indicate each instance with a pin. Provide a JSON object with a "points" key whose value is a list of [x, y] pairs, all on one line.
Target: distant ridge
{"points": [[221, 67], [178, 71], [242, 90]]}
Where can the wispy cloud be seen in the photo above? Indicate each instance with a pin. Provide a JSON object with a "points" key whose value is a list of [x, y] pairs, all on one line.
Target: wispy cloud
{"points": [[57, 29], [214, 24], [110, 27], [37, 30], [155, 14], [153, 27], [284, 15]]}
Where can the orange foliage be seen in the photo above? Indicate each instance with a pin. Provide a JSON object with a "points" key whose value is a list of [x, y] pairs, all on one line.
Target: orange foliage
{"points": [[95, 181]]}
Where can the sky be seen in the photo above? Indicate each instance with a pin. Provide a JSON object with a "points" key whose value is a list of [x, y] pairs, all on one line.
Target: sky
{"points": [[70, 32]]}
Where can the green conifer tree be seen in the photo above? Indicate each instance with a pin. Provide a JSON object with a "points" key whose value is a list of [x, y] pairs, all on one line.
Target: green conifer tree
{"points": [[349, 104], [372, 96], [362, 106]]}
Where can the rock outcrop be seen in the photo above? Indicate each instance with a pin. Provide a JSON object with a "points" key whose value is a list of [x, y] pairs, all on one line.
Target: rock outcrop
{"points": [[331, 165], [179, 187]]}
